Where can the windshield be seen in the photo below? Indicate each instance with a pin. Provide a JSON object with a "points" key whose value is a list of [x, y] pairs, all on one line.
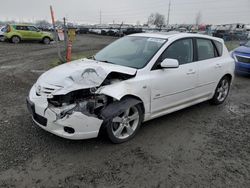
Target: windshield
{"points": [[247, 44], [130, 51]]}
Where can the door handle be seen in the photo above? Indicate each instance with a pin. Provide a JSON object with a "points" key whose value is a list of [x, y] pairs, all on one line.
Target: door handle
{"points": [[191, 71]]}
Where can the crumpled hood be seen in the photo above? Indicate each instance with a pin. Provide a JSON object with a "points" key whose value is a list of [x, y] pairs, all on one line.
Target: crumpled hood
{"points": [[79, 74], [243, 49]]}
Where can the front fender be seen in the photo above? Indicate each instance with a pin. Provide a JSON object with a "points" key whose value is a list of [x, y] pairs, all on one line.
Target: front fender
{"points": [[126, 88]]}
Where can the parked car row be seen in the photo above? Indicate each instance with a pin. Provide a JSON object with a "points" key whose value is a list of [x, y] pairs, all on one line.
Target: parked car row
{"points": [[227, 35], [109, 31]]}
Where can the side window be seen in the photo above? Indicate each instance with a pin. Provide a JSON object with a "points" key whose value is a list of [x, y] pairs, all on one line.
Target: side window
{"points": [[182, 50], [219, 47], [32, 28], [19, 27], [205, 49], [22, 28]]}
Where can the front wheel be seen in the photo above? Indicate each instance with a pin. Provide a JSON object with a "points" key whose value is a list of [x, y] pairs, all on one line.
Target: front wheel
{"points": [[15, 39], [124, 126], [221, 92]]}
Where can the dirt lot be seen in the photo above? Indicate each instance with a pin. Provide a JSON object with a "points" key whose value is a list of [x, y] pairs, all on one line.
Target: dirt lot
{"points": [[202, 146]]}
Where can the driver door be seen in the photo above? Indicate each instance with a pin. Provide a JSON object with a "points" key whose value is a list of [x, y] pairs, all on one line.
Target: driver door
{"points": [[174, 88]]}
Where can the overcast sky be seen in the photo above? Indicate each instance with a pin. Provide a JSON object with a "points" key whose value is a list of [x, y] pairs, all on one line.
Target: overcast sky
{"points": [[128, 11]]}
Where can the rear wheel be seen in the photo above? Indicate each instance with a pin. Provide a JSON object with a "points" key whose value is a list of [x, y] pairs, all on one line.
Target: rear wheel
{"points": [[124, 126], [15, 39], [221, 91], [46, 40]]}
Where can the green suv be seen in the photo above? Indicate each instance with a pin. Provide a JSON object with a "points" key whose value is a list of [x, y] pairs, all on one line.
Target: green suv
{"points": [[20, 32]]}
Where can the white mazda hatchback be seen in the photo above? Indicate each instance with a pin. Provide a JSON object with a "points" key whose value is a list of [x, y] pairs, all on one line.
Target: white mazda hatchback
{"points": [[133, 80]]}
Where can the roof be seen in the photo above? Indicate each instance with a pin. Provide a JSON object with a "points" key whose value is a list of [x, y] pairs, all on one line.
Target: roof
{"points": [[22, 24], [168, 35]]}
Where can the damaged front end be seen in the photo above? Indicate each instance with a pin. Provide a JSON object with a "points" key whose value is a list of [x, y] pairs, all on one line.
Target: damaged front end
{"points": [[84, 101], [71, 106]]}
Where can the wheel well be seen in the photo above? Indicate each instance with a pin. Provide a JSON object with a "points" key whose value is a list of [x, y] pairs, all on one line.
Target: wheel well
{"points": [[46, 37], [135, 97], [228, 76], [102, 130], [15, 36]]}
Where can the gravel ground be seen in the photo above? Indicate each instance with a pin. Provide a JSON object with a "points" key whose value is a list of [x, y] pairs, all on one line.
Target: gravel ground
{"points": [[201, 146]]}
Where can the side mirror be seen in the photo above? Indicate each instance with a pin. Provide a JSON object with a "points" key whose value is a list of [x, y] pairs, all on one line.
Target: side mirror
{"points": [[170, 63]]}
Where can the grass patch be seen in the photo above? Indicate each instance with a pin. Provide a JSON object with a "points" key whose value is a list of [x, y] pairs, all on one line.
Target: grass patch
{"points": [[231, 45], [75, 56]]}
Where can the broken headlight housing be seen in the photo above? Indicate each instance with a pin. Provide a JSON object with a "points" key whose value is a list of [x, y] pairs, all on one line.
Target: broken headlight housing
{"points": [[85, 101]]}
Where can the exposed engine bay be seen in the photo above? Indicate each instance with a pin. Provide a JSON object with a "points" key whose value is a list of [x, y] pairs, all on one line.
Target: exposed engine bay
{"points": [[85, 101]]}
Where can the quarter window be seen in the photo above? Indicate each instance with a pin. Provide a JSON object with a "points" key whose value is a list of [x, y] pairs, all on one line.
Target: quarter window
{"points": [[182, 50], [31, 28], [219, 47], [205, 49]]}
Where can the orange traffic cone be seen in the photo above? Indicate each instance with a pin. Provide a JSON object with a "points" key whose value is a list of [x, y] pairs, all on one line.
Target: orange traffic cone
{"points": [[69, 50]]}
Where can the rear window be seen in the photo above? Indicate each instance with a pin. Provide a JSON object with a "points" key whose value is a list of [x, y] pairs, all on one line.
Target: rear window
{"points": [[182, 50], [219, 47], [32, 28], [20, 27], [205, 49]]}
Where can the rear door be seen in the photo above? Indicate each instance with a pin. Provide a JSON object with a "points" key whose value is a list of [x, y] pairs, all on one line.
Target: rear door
{"points": [[34, 33], [209, 66], [22, 31]]}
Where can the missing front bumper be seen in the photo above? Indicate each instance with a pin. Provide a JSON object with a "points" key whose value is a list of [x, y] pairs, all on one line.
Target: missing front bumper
{"points": [[84, 126], [31, 107]]}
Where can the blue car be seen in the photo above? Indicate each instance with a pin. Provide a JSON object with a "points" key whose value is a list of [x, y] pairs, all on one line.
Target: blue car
{"points": [[241, 56]]}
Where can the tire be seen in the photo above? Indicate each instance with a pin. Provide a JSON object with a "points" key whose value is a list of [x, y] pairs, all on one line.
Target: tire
{"points": [[2, 39], [221, 91], [15, 39], [125, 126], [46, 40]]}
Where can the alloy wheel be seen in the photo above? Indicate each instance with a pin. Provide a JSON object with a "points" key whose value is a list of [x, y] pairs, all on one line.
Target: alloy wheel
{"points": [[223, 90], [124, 125]]}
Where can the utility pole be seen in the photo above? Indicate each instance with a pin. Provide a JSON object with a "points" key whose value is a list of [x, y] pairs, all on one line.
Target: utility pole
{"points": [[65, 31], [100, 17], [169, 6], [56, 36]]}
